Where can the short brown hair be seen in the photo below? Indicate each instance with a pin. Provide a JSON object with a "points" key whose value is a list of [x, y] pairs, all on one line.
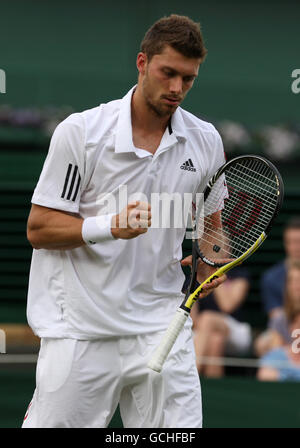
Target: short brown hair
{"points": [[180, 32]]}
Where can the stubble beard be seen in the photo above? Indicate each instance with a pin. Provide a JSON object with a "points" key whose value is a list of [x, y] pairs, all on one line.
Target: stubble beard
{"points": [[159, 110]]}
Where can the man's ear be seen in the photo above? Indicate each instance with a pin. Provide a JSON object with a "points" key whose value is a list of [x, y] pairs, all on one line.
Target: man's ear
{"points": [[141, 63]]}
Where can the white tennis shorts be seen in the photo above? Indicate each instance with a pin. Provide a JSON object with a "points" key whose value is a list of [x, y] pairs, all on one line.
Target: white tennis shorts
{"points": [[79, 384]]}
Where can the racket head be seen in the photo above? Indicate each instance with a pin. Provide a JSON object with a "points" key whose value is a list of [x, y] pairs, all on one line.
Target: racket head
{"points": [[239, 204]]}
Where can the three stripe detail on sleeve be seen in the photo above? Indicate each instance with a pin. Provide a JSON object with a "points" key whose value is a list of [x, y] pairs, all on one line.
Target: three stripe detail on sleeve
{"points": [[72, 183]]}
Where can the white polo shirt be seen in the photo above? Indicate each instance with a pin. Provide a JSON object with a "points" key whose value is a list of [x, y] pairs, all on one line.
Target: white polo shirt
{"points": [[116, 287]]}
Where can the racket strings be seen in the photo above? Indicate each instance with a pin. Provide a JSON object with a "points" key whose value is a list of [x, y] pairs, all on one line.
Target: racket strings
{"points": [[238, 209], [258, 189], [262, 192]]}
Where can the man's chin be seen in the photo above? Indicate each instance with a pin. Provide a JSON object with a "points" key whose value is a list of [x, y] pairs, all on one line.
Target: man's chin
{"points": [[167, 109], [162, 109]]}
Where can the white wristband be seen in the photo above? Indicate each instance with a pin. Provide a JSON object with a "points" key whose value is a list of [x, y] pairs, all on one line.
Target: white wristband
{"points": [[97, 228]]}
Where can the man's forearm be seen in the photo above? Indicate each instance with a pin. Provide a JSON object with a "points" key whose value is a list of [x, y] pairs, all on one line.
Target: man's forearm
{"points": [[54, 230]]}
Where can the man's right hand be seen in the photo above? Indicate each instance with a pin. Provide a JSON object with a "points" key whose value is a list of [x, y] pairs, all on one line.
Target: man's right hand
{"points": [[132, 221]]}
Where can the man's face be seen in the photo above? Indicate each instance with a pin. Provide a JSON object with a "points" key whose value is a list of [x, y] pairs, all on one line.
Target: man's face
{"points": [[292, 243], [166, 79]]}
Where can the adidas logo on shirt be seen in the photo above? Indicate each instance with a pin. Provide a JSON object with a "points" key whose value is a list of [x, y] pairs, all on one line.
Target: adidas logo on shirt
{"points": [[188, 165]]}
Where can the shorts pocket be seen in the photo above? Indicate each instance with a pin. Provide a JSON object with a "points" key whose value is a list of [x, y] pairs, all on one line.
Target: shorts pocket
{"points": [[55, 363]]}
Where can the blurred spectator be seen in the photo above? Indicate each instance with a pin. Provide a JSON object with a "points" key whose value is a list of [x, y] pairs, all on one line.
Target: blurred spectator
{"points": [[279, 330], [273, 284], [280, 323], [218, 324], [283, 363]]}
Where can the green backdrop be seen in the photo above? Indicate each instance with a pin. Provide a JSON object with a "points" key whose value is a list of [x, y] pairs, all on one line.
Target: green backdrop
{"points": [[79, 54], [83, 53]]}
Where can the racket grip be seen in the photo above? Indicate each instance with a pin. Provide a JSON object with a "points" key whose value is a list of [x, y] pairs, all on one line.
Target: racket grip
{"points": [[160, 355]]}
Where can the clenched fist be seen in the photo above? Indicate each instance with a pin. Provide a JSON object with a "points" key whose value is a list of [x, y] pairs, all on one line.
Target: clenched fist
{"points": [[132, 221]]}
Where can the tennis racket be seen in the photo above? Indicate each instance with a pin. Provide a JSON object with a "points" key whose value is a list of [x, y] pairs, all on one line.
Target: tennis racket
{"points": [[239, 206]]}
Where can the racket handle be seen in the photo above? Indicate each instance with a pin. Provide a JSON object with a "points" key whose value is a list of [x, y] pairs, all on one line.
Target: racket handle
{"points": [[160, 355]]}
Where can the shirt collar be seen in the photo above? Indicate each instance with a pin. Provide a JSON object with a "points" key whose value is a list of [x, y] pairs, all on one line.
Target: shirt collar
{"points": [[177, 124], [124, 141]]}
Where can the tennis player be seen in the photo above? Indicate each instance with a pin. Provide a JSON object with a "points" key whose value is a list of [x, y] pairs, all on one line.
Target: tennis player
{"points": [[104, 284]]}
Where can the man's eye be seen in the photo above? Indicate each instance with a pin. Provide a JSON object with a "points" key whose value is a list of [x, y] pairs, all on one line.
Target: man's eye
{"points": [[188, 79], [168, 73]]}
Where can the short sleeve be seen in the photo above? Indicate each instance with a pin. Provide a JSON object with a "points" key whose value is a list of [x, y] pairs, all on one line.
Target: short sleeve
{"points": [[61, 179]]}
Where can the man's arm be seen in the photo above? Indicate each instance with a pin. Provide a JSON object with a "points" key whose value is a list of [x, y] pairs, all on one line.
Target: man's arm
{"points": [[54, 229]]}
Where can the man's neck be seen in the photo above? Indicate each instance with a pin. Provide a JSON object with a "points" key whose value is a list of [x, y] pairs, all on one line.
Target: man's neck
{"points": [[147, 127]]}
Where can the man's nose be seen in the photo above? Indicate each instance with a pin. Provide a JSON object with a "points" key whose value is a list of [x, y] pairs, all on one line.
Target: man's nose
{"points": [[176, 85]]}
